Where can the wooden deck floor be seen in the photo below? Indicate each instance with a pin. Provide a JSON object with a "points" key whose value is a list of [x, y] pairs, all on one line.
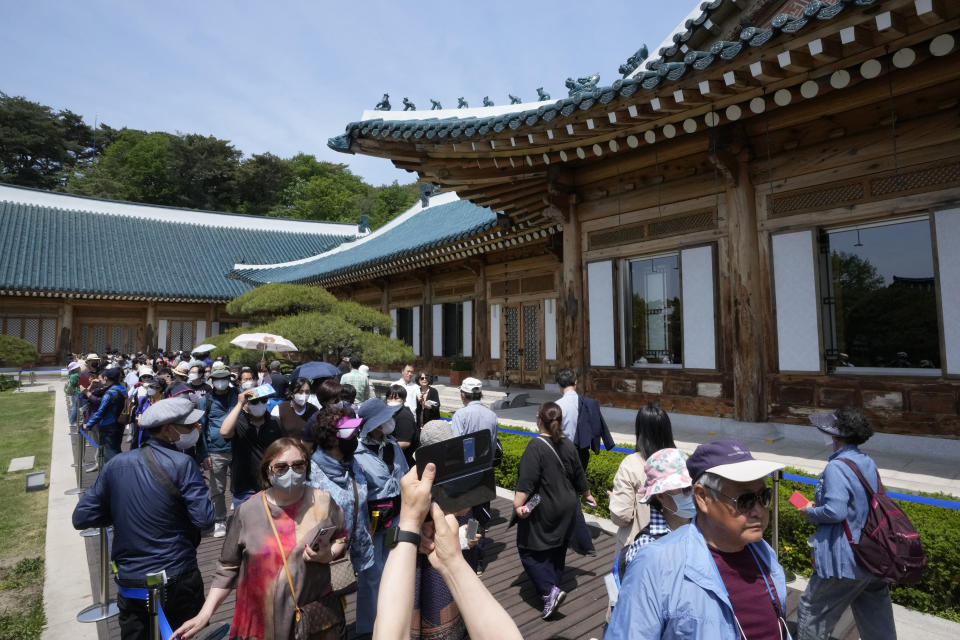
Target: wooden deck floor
{"points": [[581, 617]]}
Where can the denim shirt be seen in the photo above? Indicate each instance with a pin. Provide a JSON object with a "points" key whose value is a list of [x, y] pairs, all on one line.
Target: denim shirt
{"points": [[334, 477], [674, 590], [840, 496], [381, 482], [220, 406], [474, 417]]}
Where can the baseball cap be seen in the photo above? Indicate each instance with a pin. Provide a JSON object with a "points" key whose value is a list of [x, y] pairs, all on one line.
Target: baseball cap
{"points": [[730, 459], [177, 410], [471, 385]]}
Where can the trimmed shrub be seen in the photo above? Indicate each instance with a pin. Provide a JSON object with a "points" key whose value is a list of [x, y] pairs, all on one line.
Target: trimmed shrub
{"points": [[363, 317], [280, 299], [938, 593], [15, 352]]}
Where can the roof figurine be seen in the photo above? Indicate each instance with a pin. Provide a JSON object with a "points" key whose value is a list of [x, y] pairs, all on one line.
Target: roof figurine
{"points": [[582, 85], [408, 106], [462, 104], [384, 104], [514, 99], [542, 95], [427, 190], [487, 102], [634, 61], [434, 105]]}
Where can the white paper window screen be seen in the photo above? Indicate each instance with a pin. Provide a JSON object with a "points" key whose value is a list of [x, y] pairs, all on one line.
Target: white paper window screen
{"points": [[467, 328], [437, 314], [550, 329], [699, 323], [948, 258], [201, 331], [48, 335], [13, 327], [494, 332], [794, 275], [416, 330], [600, 309], [162, 334], [214, 328], [393, 316], [31, 331], [99, 339]]}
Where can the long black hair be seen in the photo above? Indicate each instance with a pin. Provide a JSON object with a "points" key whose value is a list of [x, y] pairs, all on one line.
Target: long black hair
{"points": [[653, 430]]}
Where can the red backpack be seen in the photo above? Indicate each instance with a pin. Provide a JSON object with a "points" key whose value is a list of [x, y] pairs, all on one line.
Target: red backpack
{"points": [[889, 546]]}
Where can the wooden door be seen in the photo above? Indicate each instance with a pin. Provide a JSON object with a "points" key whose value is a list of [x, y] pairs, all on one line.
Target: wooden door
{"points": [[523, 343], [98, 338]]}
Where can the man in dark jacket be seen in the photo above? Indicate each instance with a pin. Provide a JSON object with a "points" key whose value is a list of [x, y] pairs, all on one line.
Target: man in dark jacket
{"points": [[105, 417], [156, 501]]}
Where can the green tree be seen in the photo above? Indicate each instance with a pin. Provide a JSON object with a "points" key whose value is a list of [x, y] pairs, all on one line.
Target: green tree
{"points": [[271, 300], [204, 170], [261, 180], [390, 200], [15, 352]]}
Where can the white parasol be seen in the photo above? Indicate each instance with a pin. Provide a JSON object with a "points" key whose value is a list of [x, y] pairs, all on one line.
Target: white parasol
{"points": [[263, 342]]}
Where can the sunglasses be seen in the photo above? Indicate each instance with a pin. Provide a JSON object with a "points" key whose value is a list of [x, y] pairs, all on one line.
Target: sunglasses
{"points": [[283, 467], [423, 377], [746, 501], [257, 401]]}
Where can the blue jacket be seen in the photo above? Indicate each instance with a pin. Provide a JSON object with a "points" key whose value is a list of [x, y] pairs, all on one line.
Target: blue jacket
{"points": [[337, 478], [591, 427], [215, 408], [381, 482], [673, 590], [152, 530], [110, 407], [840, 496]]}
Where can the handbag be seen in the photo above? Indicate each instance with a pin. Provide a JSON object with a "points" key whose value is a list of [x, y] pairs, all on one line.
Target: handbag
{"points": [[313, 618], [342, 577]]}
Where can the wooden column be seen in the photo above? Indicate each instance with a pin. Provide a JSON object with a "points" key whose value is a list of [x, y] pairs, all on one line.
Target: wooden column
{"points": [[66, 331], [571, 305], [746, 305], [150, 337], [481, 318], [426, 321]]}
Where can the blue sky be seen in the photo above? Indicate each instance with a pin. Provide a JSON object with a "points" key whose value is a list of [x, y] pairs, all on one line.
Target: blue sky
{"points": [[283, 76]]}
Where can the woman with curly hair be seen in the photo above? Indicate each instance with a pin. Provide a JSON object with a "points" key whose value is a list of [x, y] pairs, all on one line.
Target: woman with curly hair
{"points": [[840, 501], [549, 468]]}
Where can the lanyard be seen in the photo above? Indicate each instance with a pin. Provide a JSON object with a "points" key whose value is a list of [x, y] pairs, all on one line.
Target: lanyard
{"points": [[781, 623]]}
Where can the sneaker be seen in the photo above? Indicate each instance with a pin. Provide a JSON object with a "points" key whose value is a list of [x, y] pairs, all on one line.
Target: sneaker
{"points": [[219, 529], [95, 467], [552, 602]]}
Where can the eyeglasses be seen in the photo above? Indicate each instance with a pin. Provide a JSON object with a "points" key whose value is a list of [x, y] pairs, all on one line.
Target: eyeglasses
{"points": [[746, 501], [283, 467]]}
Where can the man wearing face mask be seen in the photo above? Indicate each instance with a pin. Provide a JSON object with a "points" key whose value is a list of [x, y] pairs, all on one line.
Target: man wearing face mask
{"points": [[248, 379], [178, 381], [198, 388], [154, 529], [216, 405], [250, 430], [383, 464], [407, 432]]}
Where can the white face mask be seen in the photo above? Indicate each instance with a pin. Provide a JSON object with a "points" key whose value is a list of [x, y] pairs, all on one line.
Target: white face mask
{"points": [[287, 481], [193, 377], [221, 385], [142, 392], [388, 427], [686, 508], [300, 398], [187, 440], [257, 410], [249, 384], [395, 403]]}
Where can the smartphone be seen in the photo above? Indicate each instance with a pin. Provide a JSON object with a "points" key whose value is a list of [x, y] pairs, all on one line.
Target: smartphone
{"points": [[472, 526], [262, 391], [324, 532], [469, 450]]}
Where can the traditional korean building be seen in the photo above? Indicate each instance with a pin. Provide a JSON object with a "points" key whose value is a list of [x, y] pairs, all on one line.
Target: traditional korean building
{"points": [[83, 274], [757, 221]]}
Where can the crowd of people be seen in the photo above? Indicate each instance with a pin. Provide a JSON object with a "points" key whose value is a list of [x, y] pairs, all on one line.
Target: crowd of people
{"points": [[325, 490]]}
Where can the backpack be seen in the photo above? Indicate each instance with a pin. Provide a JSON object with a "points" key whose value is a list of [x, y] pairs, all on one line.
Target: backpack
{"points": [[889, 546], [128, 409]]}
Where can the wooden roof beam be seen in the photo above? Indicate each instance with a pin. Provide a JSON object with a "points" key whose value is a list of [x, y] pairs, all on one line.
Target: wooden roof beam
{"points": [[931, 11], [825, 50]]}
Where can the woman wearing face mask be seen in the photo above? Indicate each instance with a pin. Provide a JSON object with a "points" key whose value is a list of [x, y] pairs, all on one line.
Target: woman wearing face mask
{"points": [[407, 431], [147, 392], [383, 465], [311, 529], [334, 468], [626, 510], [250, 430], [198, 388], [294, 412]]}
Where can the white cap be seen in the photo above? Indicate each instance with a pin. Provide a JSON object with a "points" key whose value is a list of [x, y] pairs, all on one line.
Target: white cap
{"points": [[471, 385]]}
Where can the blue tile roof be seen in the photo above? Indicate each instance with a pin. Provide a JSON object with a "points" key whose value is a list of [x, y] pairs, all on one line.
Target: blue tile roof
{"points": [[416, 232], [658, 72], [47, 249]]}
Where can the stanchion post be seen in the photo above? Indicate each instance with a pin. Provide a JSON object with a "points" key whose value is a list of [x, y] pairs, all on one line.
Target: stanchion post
{"points": [[154, 583], [104, 607], [79, 453], [776, 512]]}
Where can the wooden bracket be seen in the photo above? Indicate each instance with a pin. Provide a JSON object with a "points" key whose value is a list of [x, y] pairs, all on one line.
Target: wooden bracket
{"points": [[474, 266], [727, 164]]}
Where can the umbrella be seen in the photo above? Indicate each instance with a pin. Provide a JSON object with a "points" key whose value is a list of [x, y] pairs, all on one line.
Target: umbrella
{"points": [[263, 341], [206, 347], [314, 370]]}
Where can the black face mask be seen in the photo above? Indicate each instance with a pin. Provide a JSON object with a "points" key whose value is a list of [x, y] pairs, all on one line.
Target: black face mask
{"points": [[347, 447]]}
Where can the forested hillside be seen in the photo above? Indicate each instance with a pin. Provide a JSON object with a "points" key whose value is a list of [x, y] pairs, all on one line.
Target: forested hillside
{"points": [[57, 150]]}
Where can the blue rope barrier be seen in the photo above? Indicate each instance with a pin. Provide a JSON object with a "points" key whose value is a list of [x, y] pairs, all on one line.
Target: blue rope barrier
{"points": [[92, 443], [896, 495]]}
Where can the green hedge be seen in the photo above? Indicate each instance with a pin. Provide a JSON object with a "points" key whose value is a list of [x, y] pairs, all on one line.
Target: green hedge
{"points": [[15, 352], [938, 593]]}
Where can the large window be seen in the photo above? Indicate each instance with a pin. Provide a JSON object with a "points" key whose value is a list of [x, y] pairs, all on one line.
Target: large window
{"points": [[653, 317], [40, 332], [452, 329], [405, 324], [879, 301]]}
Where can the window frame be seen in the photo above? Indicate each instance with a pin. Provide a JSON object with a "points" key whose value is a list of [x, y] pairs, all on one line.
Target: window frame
{"points": [[457, 329], [623, 279]]}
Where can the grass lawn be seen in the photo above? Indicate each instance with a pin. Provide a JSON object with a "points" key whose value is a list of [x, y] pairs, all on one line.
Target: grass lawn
{"points": [[26, 429]]}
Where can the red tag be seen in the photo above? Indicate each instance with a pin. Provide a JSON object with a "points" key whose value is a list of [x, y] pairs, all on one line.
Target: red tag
{"points": [[799, 500]]}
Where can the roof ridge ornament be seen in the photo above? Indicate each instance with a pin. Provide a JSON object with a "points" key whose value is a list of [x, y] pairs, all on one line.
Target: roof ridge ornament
{"points": [[514, 99], [487, 102], [462, 104], [384, 104], [634, 61], [408, 106], [434, 105], [582, 86], [542, 95]]}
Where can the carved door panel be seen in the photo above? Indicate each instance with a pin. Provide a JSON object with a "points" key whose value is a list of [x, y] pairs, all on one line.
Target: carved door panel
{"points": [[522, 346]]}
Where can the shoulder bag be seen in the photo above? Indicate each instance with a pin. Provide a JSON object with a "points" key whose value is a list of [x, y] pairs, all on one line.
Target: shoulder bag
{"points": [[314, 618], [342, 577]]}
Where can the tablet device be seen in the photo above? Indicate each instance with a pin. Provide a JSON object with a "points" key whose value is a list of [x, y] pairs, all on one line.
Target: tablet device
{"points": [[465, 476]]}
